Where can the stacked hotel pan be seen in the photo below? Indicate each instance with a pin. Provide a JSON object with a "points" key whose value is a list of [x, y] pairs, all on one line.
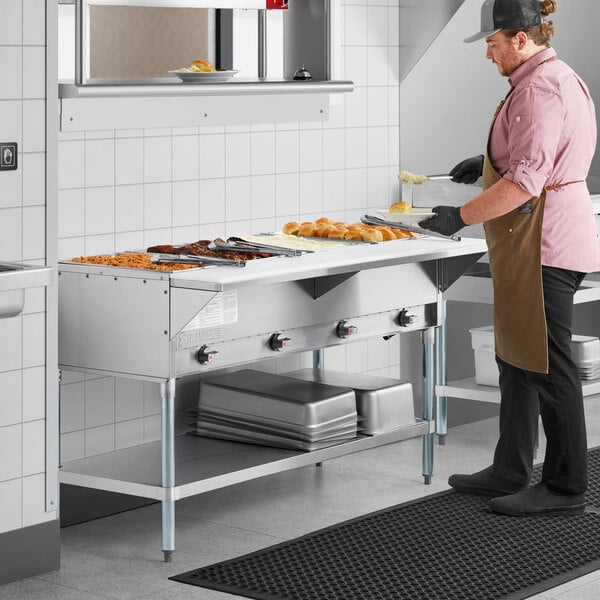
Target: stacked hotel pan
{"points": [[306, 409], [586, 354], [274, 410]]}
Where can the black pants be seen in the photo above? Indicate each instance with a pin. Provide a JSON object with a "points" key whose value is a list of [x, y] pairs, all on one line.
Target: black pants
{"points": [[557, 397]]}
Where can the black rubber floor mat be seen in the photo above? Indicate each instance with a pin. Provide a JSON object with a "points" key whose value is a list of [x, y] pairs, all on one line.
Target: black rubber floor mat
{"points": [[446, 546]]}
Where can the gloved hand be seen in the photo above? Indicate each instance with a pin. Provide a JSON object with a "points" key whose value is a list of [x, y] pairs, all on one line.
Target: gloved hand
{"points": [[447, 220], [468, 170]]}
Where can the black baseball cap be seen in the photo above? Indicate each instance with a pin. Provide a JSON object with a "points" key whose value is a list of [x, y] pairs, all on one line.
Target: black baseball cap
{"points": [[507, 14]]}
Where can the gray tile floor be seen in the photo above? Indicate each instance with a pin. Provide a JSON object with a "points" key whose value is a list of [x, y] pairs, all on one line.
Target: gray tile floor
{"points": [[119, 557]]}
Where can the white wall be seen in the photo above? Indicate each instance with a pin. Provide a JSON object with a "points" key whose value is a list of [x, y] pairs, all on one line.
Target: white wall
{"points": [[128, 189], [22, 238]]}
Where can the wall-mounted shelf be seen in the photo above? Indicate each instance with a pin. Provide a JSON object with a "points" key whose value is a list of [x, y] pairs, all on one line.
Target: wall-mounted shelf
{"points": [[250, 4], [172, 87], [139, 106]]}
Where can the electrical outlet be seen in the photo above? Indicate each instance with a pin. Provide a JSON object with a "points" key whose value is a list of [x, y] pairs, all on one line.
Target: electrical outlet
{"points": [[8, 156]]}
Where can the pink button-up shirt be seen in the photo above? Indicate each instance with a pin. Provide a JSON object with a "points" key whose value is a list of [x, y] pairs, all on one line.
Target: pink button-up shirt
{"points": [[545, 134]]}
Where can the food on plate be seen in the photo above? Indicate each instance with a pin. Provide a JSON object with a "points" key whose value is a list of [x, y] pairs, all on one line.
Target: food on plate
{"points": [[199, 66], [401, 207], [412, 178], [131, 260], [202, 66], [291, 228]]}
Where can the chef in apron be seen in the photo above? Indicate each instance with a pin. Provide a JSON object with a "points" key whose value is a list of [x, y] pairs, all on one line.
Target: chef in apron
{"points": [[541, 237]]}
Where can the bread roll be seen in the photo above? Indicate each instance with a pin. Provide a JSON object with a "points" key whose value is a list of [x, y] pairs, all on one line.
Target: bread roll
{"points": [[323, 229], [401, 234], [324, 221], [307, 229], [372, 235], [353, 234], [358, 227], [387, 233], [291, 228], [337, 233], [401, 207], [203, 66]]}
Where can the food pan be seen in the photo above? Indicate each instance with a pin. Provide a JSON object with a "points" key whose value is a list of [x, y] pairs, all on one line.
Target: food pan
{"points": [[277, 398], [382, 403], [246, 421], [585, 349], [258, 432], [276, 441]]}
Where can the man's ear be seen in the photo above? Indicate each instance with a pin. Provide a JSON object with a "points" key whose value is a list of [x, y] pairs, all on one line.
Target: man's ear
{"points": [[521, 39]]}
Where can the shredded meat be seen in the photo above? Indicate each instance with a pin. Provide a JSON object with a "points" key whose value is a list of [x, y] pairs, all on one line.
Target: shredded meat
{"points": [[132, 261]]}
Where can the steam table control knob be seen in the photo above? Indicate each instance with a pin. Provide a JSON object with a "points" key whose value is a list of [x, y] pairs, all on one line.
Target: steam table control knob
{"points": [[205, 355], [405, 319], [278, 343], [344, 330]]}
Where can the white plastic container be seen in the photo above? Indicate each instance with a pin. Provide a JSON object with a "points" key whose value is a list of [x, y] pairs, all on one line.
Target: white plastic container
{"points": [[482, 342]]}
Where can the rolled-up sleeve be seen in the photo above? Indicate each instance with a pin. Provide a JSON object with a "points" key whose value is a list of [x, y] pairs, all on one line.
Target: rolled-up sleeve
{"points": [[534, 119]]}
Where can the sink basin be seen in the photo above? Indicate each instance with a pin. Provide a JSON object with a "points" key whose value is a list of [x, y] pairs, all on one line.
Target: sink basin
{"points": [[15, 278]]}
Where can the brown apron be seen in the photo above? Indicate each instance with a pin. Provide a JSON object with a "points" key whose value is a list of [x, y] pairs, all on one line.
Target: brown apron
{"points": [[514, 245]]}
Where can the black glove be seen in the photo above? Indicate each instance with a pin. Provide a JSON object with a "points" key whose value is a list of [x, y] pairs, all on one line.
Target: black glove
{"points": [[468, 170], [447, 220]]}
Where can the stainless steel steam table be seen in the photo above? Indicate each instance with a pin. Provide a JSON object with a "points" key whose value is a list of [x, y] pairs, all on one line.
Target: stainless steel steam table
{"points": [[161, 326]]}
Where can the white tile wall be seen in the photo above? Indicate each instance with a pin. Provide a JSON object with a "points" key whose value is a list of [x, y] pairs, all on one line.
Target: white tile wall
{"points": [[126, 189], [10, 505], [11, 398]]}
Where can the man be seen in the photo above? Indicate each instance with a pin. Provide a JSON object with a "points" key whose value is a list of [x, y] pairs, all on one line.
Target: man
{"points": [[541, 237]]}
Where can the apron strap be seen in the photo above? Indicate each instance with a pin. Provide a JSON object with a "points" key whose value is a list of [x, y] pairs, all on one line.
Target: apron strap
{"points": [[560, 185]]}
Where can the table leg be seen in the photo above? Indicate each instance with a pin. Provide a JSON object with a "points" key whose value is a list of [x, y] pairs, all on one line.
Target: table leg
{"points": [[318, 364], [167, 451], [428, 393], [441, 411]]}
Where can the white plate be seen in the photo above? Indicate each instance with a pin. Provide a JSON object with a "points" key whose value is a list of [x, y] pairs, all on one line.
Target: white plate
{"points": [[204, 76], [417, 214]]}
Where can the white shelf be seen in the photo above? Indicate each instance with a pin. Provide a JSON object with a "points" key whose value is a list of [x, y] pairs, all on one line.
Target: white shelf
{"points": [[101, 107], [203, 464], [468, 389]]}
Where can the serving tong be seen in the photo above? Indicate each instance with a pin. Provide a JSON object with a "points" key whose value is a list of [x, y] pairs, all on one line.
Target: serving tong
{"points": [[370, 220], [238, 244], [196, 259]]}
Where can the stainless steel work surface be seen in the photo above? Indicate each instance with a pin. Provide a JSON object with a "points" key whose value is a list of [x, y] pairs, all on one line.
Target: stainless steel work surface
{"points": [[320, 264]]}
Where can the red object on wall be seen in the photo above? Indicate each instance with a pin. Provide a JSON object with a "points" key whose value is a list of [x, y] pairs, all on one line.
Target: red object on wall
{"points": [[277, 4]]}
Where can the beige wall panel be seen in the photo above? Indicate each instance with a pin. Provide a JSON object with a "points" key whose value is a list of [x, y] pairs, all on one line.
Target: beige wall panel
{"points": [[148, 42]]}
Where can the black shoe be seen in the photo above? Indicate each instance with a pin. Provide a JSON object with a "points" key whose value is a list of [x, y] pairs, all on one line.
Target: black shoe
{"points": [[539, 500], [483, 483]]}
